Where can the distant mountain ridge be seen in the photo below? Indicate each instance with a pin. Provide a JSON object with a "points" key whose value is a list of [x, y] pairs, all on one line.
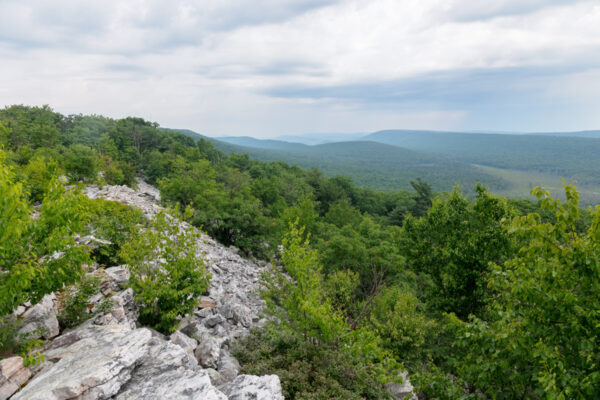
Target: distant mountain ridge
{"points": [[510, 164]]}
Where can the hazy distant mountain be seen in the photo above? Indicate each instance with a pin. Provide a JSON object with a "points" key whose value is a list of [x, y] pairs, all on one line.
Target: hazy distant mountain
{"points": [[583, 134], [261, 143], [321, 138]]}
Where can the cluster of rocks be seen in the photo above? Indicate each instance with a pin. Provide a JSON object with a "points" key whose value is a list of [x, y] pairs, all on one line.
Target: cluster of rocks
{"points": [[109, 357]]}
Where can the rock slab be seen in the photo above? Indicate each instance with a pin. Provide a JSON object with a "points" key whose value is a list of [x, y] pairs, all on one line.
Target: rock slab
{"points": [[13, 374]]}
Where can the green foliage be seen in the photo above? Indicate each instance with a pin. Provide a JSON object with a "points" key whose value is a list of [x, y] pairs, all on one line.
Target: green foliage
{"points": [[306, 370], [454, 244], [76, 302], [37, 176], [541, 340], [120, 173], [399, 319], [300, 300], [11, 342], [37, 255], [114, 222], [167, 274], [310, 334], [81, 163]]}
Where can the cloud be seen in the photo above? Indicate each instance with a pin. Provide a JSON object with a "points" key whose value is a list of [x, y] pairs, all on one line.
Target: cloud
{"points": [[284, 66]]}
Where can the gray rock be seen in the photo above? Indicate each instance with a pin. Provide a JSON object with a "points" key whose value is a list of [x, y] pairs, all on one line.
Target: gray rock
{"points": [[125, 308], [185, 342], [402, 390], [228, 367], [92, 242], [113, 361], [168, 373], [40, 320], [249, 387], [203, 312], [208, 352], [119, 275], [214, 320], [101, 361]]}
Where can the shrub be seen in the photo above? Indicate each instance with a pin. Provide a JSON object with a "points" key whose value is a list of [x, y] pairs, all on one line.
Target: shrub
{"points": [[37, 176], [120, 173], [114, 222], [37, 256], [167, 275], [76, 302], [81, 163]]}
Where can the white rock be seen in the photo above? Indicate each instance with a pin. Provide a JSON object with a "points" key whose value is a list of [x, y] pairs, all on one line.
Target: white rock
{"points": [[40, 320], [120, 275], [185, 342], [208, 352], [402, 390], [250, 387]]}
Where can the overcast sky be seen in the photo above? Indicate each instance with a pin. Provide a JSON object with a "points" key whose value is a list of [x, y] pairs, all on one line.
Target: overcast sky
{"points": [[276, 67]]}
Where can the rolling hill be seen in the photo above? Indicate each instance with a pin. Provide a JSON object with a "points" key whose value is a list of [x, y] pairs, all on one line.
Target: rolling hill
{"points": [[369, 164], [573, 158]]}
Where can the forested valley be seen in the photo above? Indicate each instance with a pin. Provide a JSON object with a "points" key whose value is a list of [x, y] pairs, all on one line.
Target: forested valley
{"points": [[473, 295]]}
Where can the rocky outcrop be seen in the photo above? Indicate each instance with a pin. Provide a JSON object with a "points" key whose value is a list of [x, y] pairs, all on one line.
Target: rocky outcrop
{"points": [[109, 357], [233, 304], [13, 374], [40, 320]]}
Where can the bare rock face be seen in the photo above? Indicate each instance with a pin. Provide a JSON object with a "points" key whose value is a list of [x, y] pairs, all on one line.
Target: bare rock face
{"points": [[114, 361], [13, 374], [250, 387], [40, 320]]}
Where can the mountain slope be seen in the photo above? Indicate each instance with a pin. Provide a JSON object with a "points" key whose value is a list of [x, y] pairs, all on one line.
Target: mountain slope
{"points": [[570, 157], [373, 165]]}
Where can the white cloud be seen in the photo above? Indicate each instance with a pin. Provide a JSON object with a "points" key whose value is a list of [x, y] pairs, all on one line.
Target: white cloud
{"points": [[207, 64]]}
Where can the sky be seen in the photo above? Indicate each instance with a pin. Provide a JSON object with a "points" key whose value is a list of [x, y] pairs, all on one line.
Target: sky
{"points": [[266, 68]]}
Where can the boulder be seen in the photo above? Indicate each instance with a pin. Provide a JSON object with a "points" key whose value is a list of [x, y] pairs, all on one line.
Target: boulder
{"points": [[228, 367], [238, 313], [207, 302], [119, 275], [213, 320], [250, 387], [114, 361], [99, 362], [208, 352], [167, 372], [125, 308], [402, 390], [40, 320], [185, 342], [13, 374]]}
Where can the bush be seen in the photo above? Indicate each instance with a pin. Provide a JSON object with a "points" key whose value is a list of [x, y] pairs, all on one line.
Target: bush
{"points": [[397, 317], [81, 163], [307, 370], [167, 275], [115, 222], [120, 173], [37, 256], [37, 176], [76, 302]]}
